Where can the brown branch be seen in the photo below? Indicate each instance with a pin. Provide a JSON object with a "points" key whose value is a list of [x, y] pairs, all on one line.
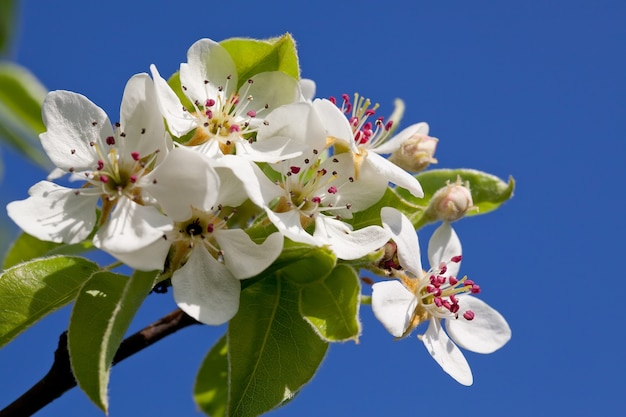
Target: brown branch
{"points": [[60, 379]]}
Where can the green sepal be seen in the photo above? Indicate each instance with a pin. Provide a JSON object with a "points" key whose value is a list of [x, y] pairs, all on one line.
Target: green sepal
{"points": [[332, 305], [211, 388], [34, 289], [252, 56], [104, 308], [21, 97], [272, 350], [27, 247]]}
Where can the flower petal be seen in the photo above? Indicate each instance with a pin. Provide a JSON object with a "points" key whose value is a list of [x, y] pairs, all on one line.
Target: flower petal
{"points": [[131, 227], [208, 61], [260, 189], [149, 258], [296, 124], [205, 289], [243, 257], [178, 120], [335, 123], [140, 118], [396, 141], [191, 175], [288, 223], [446, 353], [55, 213], [393, 306], [346, 243], [486, 333], [272, 89], [394, 174], [73, 122], [403, 234], [307, 86], [443, 245]]}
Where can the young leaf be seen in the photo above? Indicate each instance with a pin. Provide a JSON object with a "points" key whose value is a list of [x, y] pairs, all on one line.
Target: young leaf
{"points": [[488, 191], [102, 313], [253, 56], [211, 389], [27, 247], [32, 290], [272, 351], [21, 96], [332, 306], [7, 19], [302, 264], [391, 198]]}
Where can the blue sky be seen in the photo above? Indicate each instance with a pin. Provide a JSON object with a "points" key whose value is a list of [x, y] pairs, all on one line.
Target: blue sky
{"points": [[532, 89]]}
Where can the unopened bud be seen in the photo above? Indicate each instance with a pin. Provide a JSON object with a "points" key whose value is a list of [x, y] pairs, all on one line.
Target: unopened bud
{"points": [[416, 153], [451, 202]]}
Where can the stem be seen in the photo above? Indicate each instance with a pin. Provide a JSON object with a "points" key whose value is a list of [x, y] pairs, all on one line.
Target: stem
{"points": [[60, 379]]}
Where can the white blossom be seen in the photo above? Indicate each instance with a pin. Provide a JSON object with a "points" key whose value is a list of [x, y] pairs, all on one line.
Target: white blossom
{"points": [[436, 296]]}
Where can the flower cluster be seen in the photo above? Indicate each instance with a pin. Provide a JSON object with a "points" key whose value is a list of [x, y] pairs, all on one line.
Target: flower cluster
{"points": [[178, 183]]}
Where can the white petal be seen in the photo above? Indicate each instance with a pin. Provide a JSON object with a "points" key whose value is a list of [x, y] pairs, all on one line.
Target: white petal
{"points": [[150, 258], [258, 187], [443, 245], [69, 118], [297, 123], [393, 306], [396, 141], [361, 193], [207, 60], [403, 233], [289, 225], [307, 86], [270, 150], [55, 213], [205, 289], [345, 243], [178, 120], [131, 227], [184, 179], [243, 257], [486, 333], [140, 118], [335, 122], [394, 174], [272, 88], [446, 353]]}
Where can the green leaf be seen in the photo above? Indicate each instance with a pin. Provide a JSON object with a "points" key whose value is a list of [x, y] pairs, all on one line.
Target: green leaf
{"points": [[32, 290], [104, 308], [7, 17], [272, 351], [27, 247], [391, 198], [301, 263], [332, 306], [488, 191], [21, 97], [211, 389], [253, 56]]}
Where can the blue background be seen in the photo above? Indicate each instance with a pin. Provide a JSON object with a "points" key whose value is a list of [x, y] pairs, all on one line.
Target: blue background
{"points": [[533, 89]]}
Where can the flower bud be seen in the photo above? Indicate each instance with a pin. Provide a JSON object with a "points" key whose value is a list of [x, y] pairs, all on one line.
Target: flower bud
{"points": [[451, 202], [416, 153]]}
